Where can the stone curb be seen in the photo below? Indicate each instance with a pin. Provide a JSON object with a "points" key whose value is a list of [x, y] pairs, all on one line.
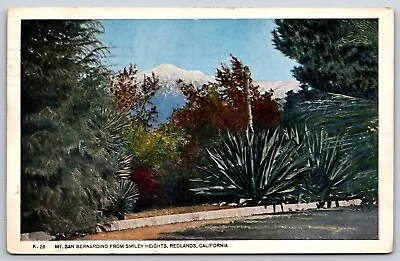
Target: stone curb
{"points": [[215, 214]]}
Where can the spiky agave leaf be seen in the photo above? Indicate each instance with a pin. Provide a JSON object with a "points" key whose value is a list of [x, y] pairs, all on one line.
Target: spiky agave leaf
{"points": [[355, 119], [331, 165], [125, 166], [108, 127], [260, 165], [124, 201]]}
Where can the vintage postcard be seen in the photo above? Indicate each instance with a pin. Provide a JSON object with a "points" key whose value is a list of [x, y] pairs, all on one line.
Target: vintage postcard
{"points": [[200, 130]]}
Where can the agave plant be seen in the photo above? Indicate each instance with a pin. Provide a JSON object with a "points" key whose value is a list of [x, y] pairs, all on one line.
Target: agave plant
{"points": [[354, 119], [125, 166], [258, 167], [123, 202], [108, 126], [331, 164]]}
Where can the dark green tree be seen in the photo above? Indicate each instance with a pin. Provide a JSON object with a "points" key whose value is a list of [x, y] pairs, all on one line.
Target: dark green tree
{"points": [[71, 139], [338, 70], [334, 55]]}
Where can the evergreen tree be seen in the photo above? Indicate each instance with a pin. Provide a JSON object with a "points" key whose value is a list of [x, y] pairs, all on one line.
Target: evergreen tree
{"points": [[338, 70], [334, 55], [71, 137]]}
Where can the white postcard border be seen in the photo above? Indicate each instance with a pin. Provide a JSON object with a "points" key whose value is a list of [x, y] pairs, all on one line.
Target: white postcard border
{"points": [[386, 130]]}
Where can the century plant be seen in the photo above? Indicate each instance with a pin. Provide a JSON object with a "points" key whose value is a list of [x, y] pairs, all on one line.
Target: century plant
{"points": [[124, 200], [108, 128], [258, 167], [331, 166], [354, 119]]}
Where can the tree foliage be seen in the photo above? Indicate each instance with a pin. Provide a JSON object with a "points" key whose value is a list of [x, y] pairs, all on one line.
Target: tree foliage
{"points": [[135, 96], [220, 106], [152, 147], [71, 140], [52, 55], [334, 55]]}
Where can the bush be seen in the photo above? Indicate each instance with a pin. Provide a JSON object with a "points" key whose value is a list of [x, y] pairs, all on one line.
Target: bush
{"points": [[148, 186], [258, 167], [71, 138], [354, 120], [330, 166], [124, 200]]}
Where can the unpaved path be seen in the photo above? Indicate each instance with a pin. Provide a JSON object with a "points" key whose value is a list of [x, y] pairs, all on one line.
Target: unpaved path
{"points": [[346, 223], [155, 232]]}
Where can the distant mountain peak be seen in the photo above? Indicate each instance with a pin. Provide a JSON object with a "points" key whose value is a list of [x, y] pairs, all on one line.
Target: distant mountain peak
{"points": [[170, 97], [169, 74], [165, 67], [280, 88], [168, 71]]}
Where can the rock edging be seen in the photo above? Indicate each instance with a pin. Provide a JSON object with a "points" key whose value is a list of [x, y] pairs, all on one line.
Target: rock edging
{"points": [[215, 214], [188, 217]]}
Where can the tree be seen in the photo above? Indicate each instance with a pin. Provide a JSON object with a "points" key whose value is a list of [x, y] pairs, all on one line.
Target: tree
{"points": [[151, 147], [71, 45], [134, 96], [216, 108], [71, 140], [334, 55], [221, 106], [338, 70]]}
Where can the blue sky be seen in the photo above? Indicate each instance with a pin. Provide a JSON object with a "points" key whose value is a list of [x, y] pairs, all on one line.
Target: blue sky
{"points": [[196, 45]]}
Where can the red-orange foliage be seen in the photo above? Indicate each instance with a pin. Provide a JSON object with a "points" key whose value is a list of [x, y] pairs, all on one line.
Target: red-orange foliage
{"points": [[132, 95], [149, 187], [221, 105]]}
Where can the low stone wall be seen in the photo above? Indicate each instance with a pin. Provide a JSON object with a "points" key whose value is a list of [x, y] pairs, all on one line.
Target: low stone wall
{"points": [[216, 214], [36, 236], [197, 216]]}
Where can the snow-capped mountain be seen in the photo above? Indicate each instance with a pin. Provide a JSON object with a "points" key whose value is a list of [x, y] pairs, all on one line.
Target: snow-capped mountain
{"points": [[280, 88], [169, 74], [170, 96]]}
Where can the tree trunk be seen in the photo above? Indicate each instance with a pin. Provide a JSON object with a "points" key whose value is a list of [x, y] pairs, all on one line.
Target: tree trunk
{"points": [[321, 204], [246, 80]]}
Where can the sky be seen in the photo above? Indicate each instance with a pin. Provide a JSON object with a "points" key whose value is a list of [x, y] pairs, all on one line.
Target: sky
{"points": [[201, 44]]}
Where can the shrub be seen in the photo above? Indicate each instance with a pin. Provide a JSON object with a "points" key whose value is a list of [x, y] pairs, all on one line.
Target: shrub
{"points": [[258, 167], [354, 119], [331, 166], [147, 185], [125, 199]]}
